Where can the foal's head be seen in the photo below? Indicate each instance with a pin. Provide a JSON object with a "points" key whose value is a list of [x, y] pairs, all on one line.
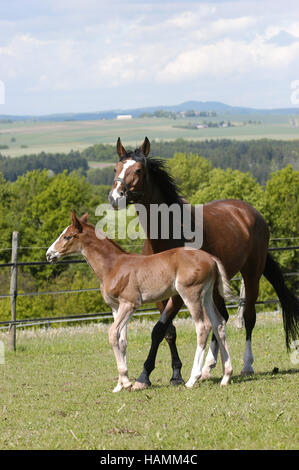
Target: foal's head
{"points": [[70, 239], [130, 175]]}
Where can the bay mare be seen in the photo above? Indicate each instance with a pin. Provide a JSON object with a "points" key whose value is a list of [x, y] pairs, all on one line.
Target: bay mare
{"points": [[233, 231], [128, 280]]}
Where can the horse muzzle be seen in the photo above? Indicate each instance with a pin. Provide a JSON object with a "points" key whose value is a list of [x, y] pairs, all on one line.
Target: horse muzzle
{"points": [[119, 203], [52, 257]]}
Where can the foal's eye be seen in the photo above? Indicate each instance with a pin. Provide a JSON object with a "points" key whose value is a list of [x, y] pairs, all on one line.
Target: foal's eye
{"points": [[138, 172], [67, 237]]}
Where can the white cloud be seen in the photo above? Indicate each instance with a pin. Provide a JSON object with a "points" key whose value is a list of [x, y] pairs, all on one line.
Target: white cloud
{"points": [[227, 57], [225, 27]]}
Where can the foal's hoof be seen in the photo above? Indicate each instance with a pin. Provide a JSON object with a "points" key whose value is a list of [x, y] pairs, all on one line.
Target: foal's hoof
{"points": [[206, 374], [140, 386], [176, 382], [128, 387]]}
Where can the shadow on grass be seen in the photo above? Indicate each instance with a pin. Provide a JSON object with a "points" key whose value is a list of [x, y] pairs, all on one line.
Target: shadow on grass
{"points": [[274, 374], [236, 379]]}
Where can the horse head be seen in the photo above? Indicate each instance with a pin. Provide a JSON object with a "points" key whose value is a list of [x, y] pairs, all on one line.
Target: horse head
{"points": [[69, 240], [130, 175]]}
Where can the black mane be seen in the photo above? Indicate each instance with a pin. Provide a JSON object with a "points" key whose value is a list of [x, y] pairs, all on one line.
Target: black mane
{"points": [[158, 175]]}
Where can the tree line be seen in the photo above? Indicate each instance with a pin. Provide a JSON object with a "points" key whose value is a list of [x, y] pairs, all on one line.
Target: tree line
{"points": [[259, 157]]}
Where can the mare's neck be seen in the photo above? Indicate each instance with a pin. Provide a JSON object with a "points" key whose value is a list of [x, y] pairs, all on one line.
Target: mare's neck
{"points": [[100, 254], [153, 195]]}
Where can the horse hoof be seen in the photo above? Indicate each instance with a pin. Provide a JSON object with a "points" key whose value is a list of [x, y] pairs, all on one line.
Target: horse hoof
{"points": [[225, 382], [205, 375], [140, 386], [247, 372], [118, 388], [176, 382], [189, 384]]}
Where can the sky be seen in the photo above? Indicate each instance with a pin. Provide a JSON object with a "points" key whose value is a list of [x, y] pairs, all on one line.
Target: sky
{"points": [[92, 55]]}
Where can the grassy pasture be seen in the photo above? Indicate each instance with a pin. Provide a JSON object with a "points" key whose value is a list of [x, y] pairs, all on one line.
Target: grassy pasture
{"points": [[34, 137], [56, 393]]}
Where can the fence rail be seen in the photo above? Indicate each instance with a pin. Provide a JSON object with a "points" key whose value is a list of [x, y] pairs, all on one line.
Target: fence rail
{"points": [[14, 323]]}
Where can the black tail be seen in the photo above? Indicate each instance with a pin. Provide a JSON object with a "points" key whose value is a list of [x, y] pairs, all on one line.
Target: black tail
{"points": [[289, 302]]}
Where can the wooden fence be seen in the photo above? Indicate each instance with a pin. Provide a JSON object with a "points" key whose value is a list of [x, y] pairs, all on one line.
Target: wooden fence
{"points": [[13, 294]]}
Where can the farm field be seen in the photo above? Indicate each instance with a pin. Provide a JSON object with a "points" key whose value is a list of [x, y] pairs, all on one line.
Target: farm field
{"points": [[34, 137], [56, 393]]}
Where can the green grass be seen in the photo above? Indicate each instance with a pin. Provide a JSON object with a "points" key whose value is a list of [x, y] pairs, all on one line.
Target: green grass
{"points": [[56, 393], [77, 135]]}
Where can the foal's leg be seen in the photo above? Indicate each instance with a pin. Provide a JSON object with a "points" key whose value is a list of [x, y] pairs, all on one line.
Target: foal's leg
{"points": [[219, 327], [203, 329], [211, 359], [118, 342], [123, 349], [119, 384]]}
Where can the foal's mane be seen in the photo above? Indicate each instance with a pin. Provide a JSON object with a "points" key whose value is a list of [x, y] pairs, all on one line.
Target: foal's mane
{"points": [[158, 175], [106, 238]]}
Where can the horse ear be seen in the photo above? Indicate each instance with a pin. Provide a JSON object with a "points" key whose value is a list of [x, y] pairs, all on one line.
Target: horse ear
{"points": [[145, 147], [76, 222], [84, 218], [120, 149]]}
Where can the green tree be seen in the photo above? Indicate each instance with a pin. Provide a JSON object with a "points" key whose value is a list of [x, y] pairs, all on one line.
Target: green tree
{"points": [[227, 184], [190, 171], [282, 209]]}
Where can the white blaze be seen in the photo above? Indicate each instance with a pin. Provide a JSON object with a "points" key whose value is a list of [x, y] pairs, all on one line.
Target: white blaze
{"points": [[115, 193], [51, 249]]}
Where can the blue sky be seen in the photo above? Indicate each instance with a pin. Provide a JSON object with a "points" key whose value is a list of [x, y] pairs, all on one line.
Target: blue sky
{"points": [[91, 55]]}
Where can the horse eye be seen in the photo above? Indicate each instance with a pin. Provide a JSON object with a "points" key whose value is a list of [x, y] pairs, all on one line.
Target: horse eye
{"points": [[67, 237], [138, 171]]}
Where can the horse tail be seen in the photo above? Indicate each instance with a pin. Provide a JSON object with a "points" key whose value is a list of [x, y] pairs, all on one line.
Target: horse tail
{"points": [[223, 282], [289, 302]]}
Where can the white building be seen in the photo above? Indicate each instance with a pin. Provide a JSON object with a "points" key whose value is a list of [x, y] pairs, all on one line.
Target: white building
{"points": [[124, 116]]}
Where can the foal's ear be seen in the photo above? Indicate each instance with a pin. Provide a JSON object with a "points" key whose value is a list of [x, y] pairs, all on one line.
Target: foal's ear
{"points": [[76, 222], [145, 147], [120, 149], [84, 218]]}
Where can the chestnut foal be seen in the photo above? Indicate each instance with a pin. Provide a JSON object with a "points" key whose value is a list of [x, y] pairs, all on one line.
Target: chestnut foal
{"points": [[128, 280]]}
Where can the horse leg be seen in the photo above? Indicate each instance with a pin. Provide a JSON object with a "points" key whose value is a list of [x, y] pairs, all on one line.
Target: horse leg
{"points": [[203, 329], [174, 304], [251, 293], [119, 384], [211, 359], [219, 327], [158, 333], [118, 342], [123, 351]]}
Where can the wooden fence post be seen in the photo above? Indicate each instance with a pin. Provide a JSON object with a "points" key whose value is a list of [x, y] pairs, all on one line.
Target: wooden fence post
{"points": [[13, 290], [241, 306]]}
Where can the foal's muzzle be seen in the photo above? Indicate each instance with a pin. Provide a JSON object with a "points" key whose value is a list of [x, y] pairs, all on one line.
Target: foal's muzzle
{"points": [[52, 257]]}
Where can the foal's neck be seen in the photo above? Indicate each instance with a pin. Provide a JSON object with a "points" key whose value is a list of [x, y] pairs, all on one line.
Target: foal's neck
{"points": [[100, 254]]}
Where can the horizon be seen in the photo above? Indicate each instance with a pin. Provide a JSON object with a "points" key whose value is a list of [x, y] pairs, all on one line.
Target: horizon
{"points": [[99, 111], [87, 56]]}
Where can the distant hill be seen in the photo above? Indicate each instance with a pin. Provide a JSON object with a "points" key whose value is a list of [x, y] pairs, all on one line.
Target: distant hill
{"points": [[188, 105]]}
